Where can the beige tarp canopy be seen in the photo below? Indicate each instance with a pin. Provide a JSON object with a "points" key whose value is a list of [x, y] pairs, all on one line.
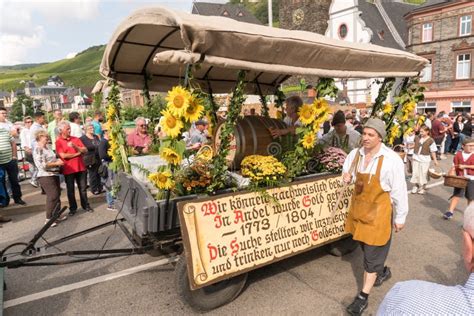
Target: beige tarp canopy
{"points": [[158, 43]]}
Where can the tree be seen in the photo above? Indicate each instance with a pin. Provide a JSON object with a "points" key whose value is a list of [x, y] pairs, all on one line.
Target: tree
{"points": [[16, 113]]}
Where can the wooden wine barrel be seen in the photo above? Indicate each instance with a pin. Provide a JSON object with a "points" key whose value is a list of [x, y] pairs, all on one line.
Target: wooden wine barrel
{"points": [[252, 136]]}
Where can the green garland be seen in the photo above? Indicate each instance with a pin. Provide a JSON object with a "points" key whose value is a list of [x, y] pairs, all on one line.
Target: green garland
{"points": [[235, 106], [384, 90], [118, 147]]}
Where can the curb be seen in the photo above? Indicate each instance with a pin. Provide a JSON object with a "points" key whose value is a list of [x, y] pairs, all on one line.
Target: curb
{"points": [[13, 209]]}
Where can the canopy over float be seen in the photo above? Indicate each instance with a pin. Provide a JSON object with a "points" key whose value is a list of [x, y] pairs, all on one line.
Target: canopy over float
{"points": [[156, 43]]}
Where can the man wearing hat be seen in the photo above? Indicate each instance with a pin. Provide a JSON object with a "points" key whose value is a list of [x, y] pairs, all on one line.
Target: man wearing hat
{"points": [[341, 136], [380, 187], [198, 136]]}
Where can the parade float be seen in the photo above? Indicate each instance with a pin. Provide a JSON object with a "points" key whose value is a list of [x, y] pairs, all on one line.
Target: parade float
{"points": [[248, 199]]}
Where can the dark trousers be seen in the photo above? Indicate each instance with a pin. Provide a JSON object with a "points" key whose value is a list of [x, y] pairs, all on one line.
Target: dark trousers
{"points": [[11, 168], [94, 178], [80, 178], [50, 185], [375, 256]]}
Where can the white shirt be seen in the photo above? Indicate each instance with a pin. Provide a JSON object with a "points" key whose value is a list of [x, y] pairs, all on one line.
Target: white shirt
{"points": [[25, 138], [33, 129], [409, 140], [76, 130], [6, 125], [392, 177], [287, 120], [428, 123], [424, 158], [465, 157]]}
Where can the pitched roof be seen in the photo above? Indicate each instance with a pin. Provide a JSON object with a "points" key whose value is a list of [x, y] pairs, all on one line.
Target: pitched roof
{"points": [[431, 3], [374, 21], [396, 11], [232, 11]]}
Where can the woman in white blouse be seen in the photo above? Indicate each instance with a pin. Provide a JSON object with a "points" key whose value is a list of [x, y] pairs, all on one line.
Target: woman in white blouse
{"points": [[48, 173]]}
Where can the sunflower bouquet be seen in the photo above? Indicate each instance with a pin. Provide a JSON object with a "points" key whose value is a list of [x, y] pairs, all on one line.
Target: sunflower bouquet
{"points": [[311, 116], [182, 109], [263, 170]]}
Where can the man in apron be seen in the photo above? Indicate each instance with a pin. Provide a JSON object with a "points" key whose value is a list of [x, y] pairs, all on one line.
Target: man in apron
{"points": [[380, 187]]}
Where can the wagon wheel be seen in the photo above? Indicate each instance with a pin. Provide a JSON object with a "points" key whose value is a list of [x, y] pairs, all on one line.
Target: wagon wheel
{"points": [[342, 247], [209, 297]]}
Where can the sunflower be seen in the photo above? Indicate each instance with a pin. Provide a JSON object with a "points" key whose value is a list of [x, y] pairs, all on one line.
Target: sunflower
{"points": [[308, 140], [194, 110], [162, 180], [171, 124], [320, 105], [306, 114], [178, 100], [171, 156]]}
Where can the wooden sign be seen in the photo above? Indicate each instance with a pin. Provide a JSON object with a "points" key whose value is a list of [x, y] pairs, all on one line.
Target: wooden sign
{"points": [[230, 234]]}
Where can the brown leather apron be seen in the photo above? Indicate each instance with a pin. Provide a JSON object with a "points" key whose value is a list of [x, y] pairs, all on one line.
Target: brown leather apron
{"points": [[370, 214]]}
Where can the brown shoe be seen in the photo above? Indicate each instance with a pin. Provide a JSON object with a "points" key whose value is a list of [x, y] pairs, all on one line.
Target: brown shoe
{"points": [[4, 219]]}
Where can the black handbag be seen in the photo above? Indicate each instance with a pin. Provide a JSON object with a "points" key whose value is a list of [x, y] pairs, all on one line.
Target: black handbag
{"points": [[103, 171]]}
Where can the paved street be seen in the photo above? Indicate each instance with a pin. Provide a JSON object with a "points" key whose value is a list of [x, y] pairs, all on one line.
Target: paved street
{"points": [[311, 283]]}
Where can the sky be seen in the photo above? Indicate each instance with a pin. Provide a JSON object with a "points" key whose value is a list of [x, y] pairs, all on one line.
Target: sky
{"points": [[37, 31]]}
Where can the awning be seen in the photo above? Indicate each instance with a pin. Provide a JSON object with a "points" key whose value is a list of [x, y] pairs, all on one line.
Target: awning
{"points": [[158, 43]]}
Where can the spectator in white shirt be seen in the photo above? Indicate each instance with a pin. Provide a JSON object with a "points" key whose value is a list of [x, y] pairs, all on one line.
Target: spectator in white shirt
{"points": [[75, 119], [25, 141]]}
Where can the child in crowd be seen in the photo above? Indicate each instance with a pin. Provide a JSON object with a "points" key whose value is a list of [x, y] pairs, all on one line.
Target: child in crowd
{"points": [[463, 165], [409, 144], [424, 150]]}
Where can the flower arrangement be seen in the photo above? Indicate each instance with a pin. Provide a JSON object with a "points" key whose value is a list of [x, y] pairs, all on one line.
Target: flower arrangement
{"points": [[182, 109], [194, 178], [311, 117], [263, 170], [331, 159]]}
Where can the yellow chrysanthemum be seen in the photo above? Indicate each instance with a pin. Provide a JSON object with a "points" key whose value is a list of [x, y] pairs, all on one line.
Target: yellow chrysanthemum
{"points": [[308, 140], [162, 180], [408, 131], [194, 110], [171, 124], [307, 114], [171, 156], [388, 108], [178, 100]]}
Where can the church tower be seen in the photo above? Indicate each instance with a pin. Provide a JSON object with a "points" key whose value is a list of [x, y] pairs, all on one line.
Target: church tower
{"points": [[305, 15]]}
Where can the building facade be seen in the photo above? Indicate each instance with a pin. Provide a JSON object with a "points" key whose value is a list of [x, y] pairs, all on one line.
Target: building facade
{"points": [[371, 22], [443, 33]]}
